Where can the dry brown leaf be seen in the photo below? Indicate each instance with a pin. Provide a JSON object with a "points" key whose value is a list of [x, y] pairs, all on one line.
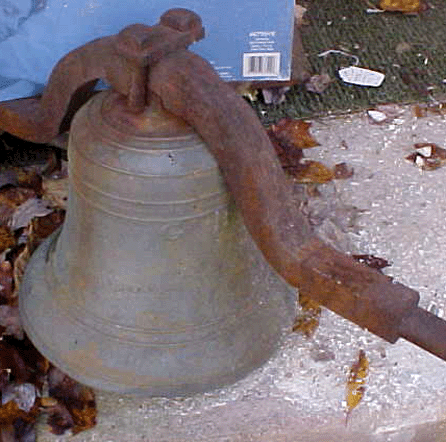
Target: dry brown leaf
{"points": [[55, 163], [372, 261], [20, 264], [6, 283], [79, 400], [21, 372], [431, 150], [9, 412], [293, 133], [10, 198], [313, 172], [307, 321], [15, 196], [289, 157], [25, 363], [34, 207], [24, 428], [7, 433], [24, 395], [10, 321], [59, 419], [43, 226], [342, 171], [401, 5], [12, 362], [356, 380], [84, 418], [39, 229], [22, 422], [47, 402], [8, 177], [7, 239], [56, 191], [422, 110], [30, 179], [289, 137], [428, 156]]}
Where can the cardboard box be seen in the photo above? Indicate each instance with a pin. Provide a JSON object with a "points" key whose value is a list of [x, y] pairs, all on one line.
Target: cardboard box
{"points": [[245, 40], [250, 40]]}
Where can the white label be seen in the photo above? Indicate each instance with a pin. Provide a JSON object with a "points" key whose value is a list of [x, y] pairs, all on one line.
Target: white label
{"points": [[361, 76], [262, 41], [261, 64]]}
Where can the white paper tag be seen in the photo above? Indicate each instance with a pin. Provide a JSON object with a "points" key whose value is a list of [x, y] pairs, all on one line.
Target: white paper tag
{"points": [[361, 76]]}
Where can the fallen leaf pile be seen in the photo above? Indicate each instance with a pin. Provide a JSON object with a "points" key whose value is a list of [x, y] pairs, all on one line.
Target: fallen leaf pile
{"points": [[356, 380], [29, 384], [290, 138]]}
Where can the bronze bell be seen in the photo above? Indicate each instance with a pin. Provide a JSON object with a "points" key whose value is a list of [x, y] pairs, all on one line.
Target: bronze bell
{"points": [[152, 285]]}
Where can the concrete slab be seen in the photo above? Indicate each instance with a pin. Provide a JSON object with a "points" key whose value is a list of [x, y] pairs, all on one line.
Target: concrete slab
{"points": [[390, 209]]}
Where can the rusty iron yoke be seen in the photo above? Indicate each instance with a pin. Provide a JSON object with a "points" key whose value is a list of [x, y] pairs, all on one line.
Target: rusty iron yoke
{"points": [[142, 62]]}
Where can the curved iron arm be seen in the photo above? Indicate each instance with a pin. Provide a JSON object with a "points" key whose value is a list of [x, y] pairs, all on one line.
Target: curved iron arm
{"points": [[141, 60], [189, 87], [121, 60]]}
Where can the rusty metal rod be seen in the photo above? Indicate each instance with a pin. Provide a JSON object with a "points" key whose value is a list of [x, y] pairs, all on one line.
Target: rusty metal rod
{"points": [[426, 330], [189, 88]]}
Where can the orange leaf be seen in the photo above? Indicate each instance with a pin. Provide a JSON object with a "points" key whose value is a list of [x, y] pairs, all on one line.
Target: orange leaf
{"points": [[356, 382], [313, 172], [401, 5], [293, 133], [307, 321]]}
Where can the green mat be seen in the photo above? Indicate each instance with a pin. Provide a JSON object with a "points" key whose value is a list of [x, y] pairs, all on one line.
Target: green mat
{"points": [[409, 49]]}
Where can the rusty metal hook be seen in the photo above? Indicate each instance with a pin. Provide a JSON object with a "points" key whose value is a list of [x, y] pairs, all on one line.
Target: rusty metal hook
{"points": [[141, 60]]}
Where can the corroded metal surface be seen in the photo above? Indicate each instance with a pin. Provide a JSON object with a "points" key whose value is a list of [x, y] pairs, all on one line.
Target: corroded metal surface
{"points": [[142, 60], [153, 285], [120, 60]]}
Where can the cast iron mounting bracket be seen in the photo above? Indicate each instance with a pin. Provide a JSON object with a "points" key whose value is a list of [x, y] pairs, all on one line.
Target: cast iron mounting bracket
{"points": [[143, 60]]}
